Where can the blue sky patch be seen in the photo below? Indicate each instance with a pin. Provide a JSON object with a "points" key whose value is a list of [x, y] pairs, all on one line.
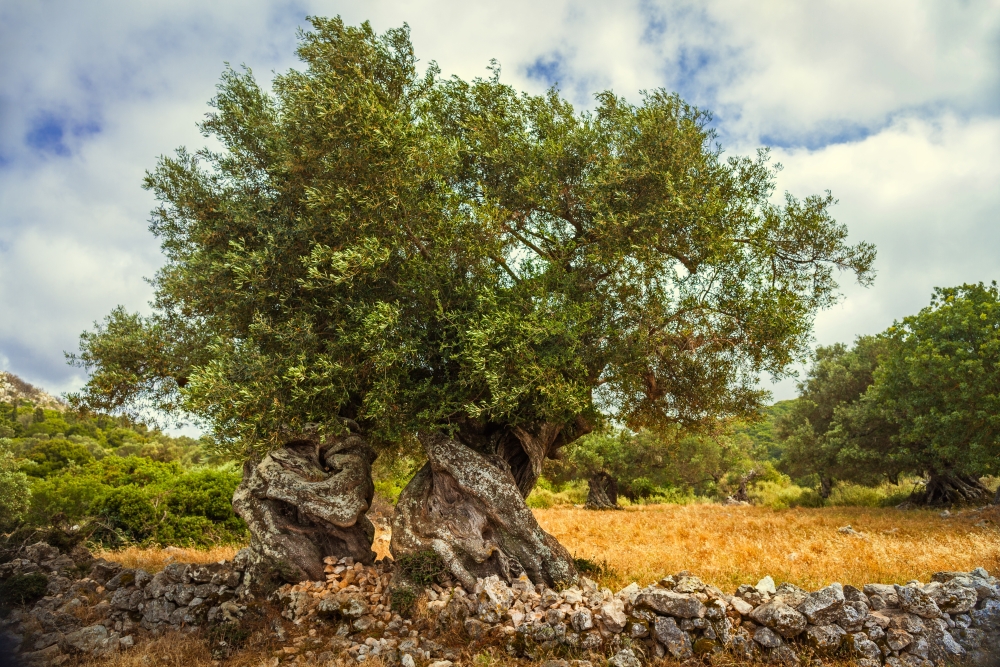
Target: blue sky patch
{"points": [[549, 69], [49, 133]]}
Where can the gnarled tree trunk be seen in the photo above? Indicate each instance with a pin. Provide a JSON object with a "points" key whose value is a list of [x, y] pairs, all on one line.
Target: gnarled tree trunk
{"points": [[742, 494], [947, 489], [825, 486], [603, 492], [468, 507], [304, 502]]}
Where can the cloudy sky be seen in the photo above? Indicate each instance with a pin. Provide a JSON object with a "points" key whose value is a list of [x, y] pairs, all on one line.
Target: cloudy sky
{"points": [[892, 105]]}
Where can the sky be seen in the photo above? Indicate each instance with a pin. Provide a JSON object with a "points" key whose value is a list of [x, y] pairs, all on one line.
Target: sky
{"points": [[894, 106]]}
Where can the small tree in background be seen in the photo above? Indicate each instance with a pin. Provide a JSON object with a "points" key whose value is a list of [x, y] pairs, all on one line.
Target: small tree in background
{"points": [[375, 257], [812, 428], [939, 384], [919, 399]]}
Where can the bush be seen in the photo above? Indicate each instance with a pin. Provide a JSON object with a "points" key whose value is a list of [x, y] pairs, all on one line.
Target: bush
{"points": [[50, 456], [138, 500], [855, 495], [15, 493], [24, 588], [783, 495], [547, 494], [421, 568]]}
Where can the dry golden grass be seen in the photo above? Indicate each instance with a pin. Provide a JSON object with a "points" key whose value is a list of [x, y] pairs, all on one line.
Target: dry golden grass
{"points": [[727, 546], [154, 559]]}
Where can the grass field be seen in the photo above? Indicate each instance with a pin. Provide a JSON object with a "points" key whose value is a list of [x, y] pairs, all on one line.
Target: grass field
{"points": [[723, 545], [727, 546], [730, 545]]}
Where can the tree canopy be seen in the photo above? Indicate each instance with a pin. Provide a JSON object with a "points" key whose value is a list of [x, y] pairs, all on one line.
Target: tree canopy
{"points": [[418, 253], [812, 430], [919, 399]]}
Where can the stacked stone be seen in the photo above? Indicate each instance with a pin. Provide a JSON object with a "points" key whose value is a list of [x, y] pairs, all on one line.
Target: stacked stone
{"points": [[953, 619], [355, 600], [101, 612]]}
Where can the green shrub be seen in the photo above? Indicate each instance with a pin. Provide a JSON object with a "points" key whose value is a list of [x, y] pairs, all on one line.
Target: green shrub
{"points": [[128, 511], [402, 599], [138, 500], [15, 493], [50, 456], [779, 495], [24, 588], [855, 495], [422, 567], [547, 494]]}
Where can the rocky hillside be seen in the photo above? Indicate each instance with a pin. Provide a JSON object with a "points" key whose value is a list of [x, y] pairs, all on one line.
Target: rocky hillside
{"points": [[13, 388]]}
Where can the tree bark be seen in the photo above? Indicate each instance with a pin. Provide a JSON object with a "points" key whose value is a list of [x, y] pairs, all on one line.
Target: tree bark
{"points": [[603, 493], [825, 486], [305, 502], [742, 495], [468, 507], [996, 497], [948, 489]]}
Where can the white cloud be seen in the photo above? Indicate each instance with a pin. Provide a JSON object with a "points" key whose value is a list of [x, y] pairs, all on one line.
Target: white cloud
{"points": [[92, 92]]}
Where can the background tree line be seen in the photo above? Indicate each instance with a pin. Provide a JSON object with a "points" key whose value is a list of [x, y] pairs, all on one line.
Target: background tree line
{"points": [[917, 403]]}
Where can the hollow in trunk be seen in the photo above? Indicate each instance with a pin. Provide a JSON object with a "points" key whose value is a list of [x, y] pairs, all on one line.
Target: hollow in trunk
{"points": [[304, 502]]}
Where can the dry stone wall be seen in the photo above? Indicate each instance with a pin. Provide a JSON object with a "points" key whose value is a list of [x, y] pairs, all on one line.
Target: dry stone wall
{"points": [[97, 608]]}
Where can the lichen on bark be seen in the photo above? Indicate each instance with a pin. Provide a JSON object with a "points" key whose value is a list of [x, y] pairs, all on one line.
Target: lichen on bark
{"points": [[468, 507], [307, 501]]}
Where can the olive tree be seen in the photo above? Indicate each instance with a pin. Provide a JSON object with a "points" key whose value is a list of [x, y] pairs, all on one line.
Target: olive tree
{"points": [[375, 257], [939, 385]]}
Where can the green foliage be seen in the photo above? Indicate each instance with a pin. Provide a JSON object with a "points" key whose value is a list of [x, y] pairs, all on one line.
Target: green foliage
{"points": [[939, 385], [812, 429], [783, 495], [590, 568], [422, 567], [15, 492], [24, 588], [672, 464], [419, 253], [45, 457], [135, 499], [402, 599], [546, 494], [919, 399]]}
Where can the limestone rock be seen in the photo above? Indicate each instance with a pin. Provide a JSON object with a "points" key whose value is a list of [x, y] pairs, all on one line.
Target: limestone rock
{"points": [[676, 641], [825, 638], [669, 603], [613, 615], [824, 606], [766, 586], [780, 617], [915, 601], [582, 620], [742, 607], [624, 658], [953, 597], [767, 637], [865, 647]]}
